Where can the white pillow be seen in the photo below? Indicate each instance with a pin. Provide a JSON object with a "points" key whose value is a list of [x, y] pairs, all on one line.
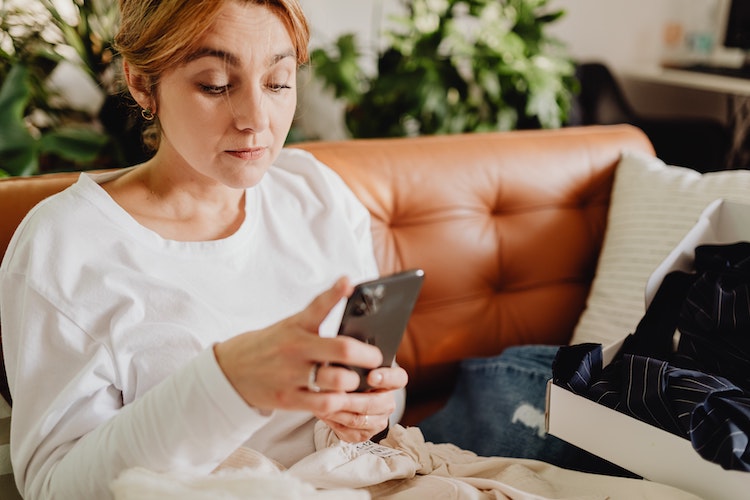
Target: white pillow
{"points": [[653, 206]]}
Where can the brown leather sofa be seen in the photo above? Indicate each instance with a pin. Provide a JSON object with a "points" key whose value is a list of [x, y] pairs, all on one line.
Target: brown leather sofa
{"points": [[507, 226]]}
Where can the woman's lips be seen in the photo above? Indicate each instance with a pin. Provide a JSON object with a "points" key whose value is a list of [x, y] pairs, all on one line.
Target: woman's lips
{"points": [[247, 154]]}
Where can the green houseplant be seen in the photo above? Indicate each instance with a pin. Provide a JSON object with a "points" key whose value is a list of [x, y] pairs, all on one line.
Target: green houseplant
{"points": [[453, 66], [39, 129]]}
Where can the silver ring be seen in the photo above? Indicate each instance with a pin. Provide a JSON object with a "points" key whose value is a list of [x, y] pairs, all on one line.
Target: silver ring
{"points": [[312, 378]]}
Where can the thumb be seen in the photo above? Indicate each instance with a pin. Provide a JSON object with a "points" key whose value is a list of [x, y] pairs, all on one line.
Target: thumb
{"points": [[313, 315]]}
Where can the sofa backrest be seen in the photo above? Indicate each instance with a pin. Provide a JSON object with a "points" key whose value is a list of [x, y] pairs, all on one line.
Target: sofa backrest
{"points": [[507, 226]]}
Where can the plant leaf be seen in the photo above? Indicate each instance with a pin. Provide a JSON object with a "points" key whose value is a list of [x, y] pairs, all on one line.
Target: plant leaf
{"points": [[17, 145], [79, 144]]}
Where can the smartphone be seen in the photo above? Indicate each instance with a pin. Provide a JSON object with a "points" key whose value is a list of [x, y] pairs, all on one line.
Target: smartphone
{"points": [[377, 313]]}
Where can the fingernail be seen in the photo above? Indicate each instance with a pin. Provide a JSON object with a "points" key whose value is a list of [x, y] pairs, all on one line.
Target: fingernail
{"points": [[378, 378]]}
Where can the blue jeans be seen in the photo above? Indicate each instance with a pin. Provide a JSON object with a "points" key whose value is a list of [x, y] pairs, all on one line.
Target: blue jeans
{"points": [[497, 409]]}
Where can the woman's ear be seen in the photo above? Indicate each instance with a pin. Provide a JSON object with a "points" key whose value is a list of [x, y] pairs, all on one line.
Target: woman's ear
{"points": [[139, 87]]}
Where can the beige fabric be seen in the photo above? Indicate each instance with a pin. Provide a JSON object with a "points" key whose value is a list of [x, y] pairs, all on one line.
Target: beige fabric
{"points": [[237, 484], [246, 458], [402, 467], [445, 471]]}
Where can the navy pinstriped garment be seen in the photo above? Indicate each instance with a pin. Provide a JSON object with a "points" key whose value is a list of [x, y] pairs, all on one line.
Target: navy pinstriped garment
{"points": [[701, 389]]}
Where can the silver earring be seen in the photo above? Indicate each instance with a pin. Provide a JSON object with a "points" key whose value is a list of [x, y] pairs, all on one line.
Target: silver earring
{"points": [[147, 114]]}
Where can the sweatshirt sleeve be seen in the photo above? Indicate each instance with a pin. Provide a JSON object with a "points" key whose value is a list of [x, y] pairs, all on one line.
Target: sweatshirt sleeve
{"points": [[71, 435]]}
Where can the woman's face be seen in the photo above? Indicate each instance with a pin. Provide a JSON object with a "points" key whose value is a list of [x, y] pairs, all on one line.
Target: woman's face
{"points": [[226, 113]]}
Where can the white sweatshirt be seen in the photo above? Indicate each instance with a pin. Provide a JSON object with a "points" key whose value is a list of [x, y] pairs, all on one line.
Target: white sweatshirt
{"points": [[108, 328]]}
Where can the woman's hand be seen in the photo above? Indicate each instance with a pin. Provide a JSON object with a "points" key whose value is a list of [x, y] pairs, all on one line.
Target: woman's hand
{"points": [[368, 412], [271, 369]]}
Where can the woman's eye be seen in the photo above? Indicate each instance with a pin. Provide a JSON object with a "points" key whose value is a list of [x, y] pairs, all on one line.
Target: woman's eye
{"points": [[277, 87], [214, 89]]}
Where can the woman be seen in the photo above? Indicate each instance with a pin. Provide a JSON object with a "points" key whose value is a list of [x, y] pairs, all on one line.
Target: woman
{"points": [[166, 315]]}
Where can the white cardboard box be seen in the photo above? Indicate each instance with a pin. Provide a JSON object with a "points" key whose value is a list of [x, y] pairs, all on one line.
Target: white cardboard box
{"points": [[641, 448]]}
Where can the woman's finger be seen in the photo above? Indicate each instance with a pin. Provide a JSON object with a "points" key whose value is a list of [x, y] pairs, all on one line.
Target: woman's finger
{"points": [[313, 315], [332, 378], [388, 379]]}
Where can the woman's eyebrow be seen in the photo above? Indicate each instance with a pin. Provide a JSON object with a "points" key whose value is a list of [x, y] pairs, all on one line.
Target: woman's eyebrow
{"points": [[282, 56], [211, 52], [232, 59]]}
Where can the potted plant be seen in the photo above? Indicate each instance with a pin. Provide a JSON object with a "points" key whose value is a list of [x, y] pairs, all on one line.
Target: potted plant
{"points": [[40, 129], [453, 66]]}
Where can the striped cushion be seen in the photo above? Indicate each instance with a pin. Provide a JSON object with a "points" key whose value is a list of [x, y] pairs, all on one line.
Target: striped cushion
{"points": [[8, 489], [653, 206]]}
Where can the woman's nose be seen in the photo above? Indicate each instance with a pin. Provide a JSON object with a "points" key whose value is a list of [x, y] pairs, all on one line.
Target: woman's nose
{"points": [[250, 111]]}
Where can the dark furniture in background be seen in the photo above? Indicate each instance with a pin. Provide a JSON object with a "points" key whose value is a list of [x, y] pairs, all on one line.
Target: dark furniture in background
{"points": [[702, 144]]}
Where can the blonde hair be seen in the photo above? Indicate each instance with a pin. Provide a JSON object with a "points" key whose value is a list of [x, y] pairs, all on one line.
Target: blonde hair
{"points": [[158, 35]]}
